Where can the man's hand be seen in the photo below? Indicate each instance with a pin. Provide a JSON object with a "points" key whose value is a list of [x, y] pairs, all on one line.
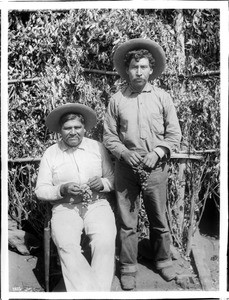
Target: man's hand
{"points": [[95, 183], [150, 159], [131, 157], [69, 188]]}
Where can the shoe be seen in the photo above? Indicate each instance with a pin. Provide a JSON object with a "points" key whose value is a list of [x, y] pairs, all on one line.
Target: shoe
{"points": [[167, 273], [128, 282]]}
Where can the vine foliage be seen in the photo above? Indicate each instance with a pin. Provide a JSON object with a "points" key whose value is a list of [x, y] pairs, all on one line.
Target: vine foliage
{"points": [[49, 52]]}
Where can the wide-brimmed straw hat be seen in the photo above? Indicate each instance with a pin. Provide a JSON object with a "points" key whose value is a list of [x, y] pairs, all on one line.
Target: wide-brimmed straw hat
{"points": [[53, 119], [136, 44]]}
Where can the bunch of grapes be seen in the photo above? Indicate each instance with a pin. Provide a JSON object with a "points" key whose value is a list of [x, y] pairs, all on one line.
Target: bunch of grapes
{"points": [[86, 194], [143, 173]]}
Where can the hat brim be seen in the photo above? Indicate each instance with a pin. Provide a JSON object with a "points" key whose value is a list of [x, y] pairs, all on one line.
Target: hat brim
{"points": [[136, 44], [53, 119]]}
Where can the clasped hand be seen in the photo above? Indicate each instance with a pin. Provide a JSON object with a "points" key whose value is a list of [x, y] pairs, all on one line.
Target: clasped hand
{"points": [[133, 158], [151, 159], [95, 183], [70, 188]]}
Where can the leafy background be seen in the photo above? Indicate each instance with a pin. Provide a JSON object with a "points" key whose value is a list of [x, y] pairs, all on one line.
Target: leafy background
{"points": [[54, 58]]}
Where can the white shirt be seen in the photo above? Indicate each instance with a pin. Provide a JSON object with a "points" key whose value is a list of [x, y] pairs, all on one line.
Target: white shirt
{"points": [[61, 164]]}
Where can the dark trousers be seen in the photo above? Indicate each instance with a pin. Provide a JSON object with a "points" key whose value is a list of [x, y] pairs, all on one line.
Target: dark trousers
{"points": [[128, 190]]}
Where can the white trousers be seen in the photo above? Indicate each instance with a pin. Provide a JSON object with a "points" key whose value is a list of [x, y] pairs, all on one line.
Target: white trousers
{"points": [[98, 221]]}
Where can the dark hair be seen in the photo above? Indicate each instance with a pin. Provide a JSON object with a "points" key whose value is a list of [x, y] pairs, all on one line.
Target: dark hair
{"points": [[137, 55], [70, 116]]}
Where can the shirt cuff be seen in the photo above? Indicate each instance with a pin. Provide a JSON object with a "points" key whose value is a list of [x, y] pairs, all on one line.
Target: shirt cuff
{"points": [[160, 152], [59, 196], [119, 151]]}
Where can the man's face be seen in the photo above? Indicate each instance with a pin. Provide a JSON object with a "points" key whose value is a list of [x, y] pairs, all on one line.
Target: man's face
{"points": [[72, 132], [139, 72]]}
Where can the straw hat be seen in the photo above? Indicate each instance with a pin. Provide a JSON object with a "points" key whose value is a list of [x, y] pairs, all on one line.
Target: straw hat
{"points": [[136, 44], [53, 119]]}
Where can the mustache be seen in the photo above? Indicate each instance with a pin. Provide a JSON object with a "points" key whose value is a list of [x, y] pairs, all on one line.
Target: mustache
{"points": [[73, 135]]}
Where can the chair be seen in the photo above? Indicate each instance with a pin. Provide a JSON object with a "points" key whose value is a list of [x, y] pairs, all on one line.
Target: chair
{"points": [[47, 240]]}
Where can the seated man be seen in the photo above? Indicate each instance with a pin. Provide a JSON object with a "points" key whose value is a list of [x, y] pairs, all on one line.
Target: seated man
{"points": [[74, 175]]}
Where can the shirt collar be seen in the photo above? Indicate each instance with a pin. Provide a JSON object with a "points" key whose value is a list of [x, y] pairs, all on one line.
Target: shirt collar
{"points": [[64, 147], [147, 89]]}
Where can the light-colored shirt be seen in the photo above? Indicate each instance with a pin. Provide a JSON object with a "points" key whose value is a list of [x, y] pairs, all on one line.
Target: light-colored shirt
{"points": [[143, 122], [61, 164]]}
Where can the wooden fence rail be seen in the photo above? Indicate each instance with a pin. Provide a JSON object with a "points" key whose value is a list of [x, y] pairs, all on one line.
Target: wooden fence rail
{"points": [[197, 155]]}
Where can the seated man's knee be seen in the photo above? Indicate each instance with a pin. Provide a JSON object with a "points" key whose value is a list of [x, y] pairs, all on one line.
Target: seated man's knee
{"points": [[104, 242]]}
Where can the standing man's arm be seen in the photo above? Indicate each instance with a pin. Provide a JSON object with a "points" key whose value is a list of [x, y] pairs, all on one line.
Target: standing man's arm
{"points": [[111, 138]]}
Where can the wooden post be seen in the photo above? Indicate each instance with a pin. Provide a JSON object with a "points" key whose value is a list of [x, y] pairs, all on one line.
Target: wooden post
{"points": [[180, 40], [190, 230], [47, 237], [181, 193]]}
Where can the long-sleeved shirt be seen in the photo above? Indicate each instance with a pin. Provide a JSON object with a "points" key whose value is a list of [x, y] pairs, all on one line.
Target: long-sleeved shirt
{"points": [[61, 164], [143, 122]]}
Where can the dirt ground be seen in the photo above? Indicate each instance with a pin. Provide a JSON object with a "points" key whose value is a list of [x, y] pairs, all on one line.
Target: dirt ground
{"points": [[26, 273]]}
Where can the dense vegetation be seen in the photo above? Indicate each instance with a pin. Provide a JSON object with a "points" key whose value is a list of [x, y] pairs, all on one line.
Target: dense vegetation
{"points": [[54, 58]]}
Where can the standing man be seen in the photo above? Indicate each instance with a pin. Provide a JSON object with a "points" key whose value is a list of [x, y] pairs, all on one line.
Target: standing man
{"points": [[141, 129]]}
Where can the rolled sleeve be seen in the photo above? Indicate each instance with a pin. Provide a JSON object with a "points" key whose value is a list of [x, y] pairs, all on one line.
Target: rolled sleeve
{"points": [[160, 151]]}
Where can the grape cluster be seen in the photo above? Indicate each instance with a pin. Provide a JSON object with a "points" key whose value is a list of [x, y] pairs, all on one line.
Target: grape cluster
{"points": [[86, 194], [143, 173]]}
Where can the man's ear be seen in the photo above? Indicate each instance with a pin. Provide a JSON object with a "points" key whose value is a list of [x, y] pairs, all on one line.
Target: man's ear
{"points": [[151, 71]]}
